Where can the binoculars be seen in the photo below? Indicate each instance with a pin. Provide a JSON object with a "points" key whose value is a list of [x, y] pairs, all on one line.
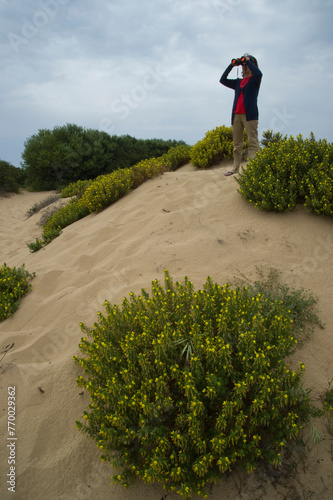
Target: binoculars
{"points": [[238, 61]]}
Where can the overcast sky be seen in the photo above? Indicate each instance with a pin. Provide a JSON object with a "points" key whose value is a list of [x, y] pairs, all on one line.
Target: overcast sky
{"points": [[151, 68]]}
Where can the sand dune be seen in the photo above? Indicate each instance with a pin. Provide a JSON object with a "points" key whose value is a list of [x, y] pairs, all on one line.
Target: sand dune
{"points": [[193, 223]]}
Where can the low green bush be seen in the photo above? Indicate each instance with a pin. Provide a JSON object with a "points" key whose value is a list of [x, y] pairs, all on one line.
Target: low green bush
{"points": [[289, 172], [177, 156], [11, 178], [106, 189], [317, 183], [72, 212], [214, 147], [147, 169], [14, 284], [75, 189], [184, 384]]}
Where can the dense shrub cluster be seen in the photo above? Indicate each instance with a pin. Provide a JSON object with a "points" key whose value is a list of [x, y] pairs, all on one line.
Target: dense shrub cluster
{"points": [[96, 195], [14, 284], [55, 158], [11, 178], [184, 384], [214, 147], [289, 172]]}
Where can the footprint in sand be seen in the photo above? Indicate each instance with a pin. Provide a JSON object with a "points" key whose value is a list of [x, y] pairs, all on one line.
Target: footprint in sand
{"points": [[247, 234]]}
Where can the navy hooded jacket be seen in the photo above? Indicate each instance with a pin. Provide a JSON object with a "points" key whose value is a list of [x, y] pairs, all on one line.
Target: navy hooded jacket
{"points": [[250, 91]]}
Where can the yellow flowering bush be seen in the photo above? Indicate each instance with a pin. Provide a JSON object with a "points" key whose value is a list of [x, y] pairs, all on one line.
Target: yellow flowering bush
{"points": [[76, 188], [289, 172], [106, 189], [177, 156], [184, 384], [214, 147], [317, 183], [146, 169], [14, 284]]}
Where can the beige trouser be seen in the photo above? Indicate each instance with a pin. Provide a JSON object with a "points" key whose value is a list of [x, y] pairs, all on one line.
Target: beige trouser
{"points": [[251, 128]]}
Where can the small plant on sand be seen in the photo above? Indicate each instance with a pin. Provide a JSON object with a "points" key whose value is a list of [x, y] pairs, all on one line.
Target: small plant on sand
{"points": [[14, 284], [186, 383]]}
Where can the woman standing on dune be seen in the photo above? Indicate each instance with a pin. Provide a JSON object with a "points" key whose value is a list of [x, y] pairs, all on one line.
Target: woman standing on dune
{"points": [[245, 108]]}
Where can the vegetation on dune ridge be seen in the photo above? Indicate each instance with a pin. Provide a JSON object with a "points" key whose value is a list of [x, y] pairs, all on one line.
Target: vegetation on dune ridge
{"points": [[95, 195], [11, 178], [284, 173]]}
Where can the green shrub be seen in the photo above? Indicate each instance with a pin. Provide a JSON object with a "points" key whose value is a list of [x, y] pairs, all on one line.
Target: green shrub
{"points": [[14, 284], [72, 212], [11, 178], [289, 172], [214, 147], [147, 169], [177, 156], [36, 245], [76, 188], [271, 180], [107, 189], [184, 384], [269, 137], [317, 184]]}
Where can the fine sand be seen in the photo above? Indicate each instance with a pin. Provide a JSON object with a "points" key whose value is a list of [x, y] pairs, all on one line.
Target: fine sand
{"points": [[195, 224]]}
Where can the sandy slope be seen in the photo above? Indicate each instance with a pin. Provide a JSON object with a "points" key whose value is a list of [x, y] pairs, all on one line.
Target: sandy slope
{"points": [[193, 223]]}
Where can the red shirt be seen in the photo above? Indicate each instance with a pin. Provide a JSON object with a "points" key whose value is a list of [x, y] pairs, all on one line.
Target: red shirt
{"points": [[240, 108]]}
